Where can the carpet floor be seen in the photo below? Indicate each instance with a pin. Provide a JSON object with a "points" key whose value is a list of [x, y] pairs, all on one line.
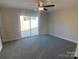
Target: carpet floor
{"points": [[38, 47]]}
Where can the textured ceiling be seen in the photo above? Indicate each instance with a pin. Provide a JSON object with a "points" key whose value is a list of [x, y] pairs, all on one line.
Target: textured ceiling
{"points": [[32, 4]]}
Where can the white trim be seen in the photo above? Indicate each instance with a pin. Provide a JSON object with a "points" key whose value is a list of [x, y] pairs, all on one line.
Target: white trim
{"points": [[1, 45], [64, 38], [1, 49], [7, 40]]}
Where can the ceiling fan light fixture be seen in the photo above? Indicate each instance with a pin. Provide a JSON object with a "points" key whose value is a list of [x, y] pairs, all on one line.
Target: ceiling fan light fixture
{"points": [[41, 8]]}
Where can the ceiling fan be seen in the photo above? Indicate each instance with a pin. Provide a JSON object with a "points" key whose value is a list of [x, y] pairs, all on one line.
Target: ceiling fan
{"points": [[42, 6]]}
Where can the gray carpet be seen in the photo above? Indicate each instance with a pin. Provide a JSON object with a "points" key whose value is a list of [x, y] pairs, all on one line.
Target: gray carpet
{"points": [[38, 47]]}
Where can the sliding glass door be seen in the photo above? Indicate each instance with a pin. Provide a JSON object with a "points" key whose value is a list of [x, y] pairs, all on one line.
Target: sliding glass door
{"points": [[29, 26], [34, 26]]}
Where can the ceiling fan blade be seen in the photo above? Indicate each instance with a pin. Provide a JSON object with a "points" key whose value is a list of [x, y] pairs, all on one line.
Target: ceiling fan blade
{"points": [[49, 6], [45, 9]]}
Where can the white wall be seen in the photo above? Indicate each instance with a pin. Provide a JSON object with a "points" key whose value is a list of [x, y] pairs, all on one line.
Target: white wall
{"points": [[43, 23], [63, 24], [11, 24]]}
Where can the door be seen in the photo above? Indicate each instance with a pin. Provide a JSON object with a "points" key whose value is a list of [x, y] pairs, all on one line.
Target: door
{"points": [[34, 26], [0, 44], [1, 33], [29, 26]]}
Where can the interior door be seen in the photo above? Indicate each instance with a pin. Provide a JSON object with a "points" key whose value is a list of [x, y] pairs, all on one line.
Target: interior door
{"points": [[0, 44], [1, 33]]}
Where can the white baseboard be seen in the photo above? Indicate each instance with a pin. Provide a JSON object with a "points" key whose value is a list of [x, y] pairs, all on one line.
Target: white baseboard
{"points": [[64, 38], [7, 40]]}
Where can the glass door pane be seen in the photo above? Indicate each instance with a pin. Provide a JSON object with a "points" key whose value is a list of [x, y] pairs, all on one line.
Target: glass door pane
{"points": [[25, 26], [34, 25]]}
